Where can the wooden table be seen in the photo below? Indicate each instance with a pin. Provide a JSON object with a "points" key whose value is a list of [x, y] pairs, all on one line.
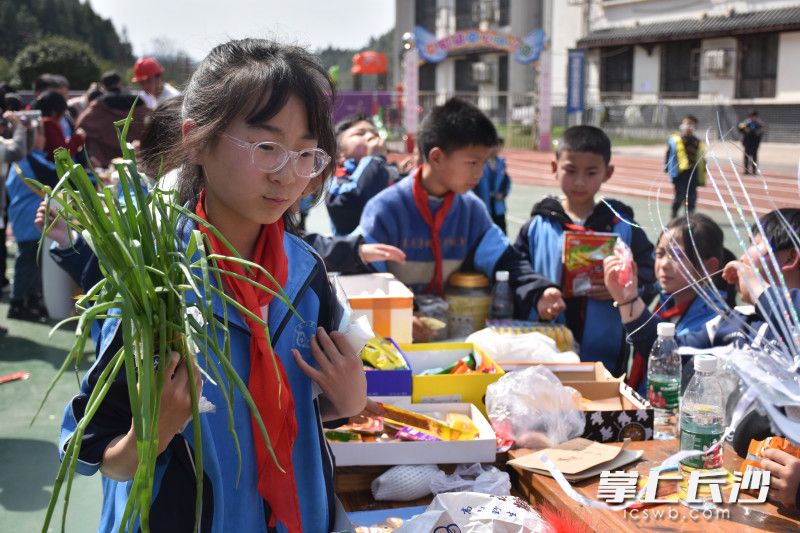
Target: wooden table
{"points": [[539, 489]]}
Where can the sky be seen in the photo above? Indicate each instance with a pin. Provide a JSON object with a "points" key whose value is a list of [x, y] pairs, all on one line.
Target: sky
{"points": [[197, 25]]}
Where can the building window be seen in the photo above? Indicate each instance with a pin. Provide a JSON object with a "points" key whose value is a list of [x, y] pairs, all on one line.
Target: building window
{"points": [[503, 18], [427, 77], [425, 14], [616, 69], [758, 66], [680, 69], [464, 15], [464, 80]]}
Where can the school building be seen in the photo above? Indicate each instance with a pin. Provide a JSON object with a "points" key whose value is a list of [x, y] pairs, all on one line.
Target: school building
{"points": [[634, 67]]}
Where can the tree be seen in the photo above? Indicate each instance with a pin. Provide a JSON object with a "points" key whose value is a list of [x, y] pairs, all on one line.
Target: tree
{"points": [[56, 55]]}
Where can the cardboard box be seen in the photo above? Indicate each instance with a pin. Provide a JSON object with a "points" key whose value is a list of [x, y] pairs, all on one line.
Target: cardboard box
{"points": [[467, 388], [569, 371], [614, 412], [390, 383], [386, 302], [480, 450]]}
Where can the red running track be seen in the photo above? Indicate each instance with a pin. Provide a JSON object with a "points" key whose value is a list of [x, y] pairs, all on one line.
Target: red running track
{"points": [[644, 177]]}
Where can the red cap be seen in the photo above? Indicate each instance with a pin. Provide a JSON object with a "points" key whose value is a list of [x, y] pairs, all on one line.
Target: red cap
{"points": [[146, 67]]}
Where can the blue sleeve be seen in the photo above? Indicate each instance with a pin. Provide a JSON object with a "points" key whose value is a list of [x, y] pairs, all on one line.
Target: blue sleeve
{"points": [[374, 230], [773, 313], [644, 257], [112, 419]]}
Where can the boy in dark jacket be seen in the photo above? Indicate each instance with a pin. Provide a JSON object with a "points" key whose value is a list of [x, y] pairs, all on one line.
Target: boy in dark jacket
{"points": [[581, 167], [362, 172]]}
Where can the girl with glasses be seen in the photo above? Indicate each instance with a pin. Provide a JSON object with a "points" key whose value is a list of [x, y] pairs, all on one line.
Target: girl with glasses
{"points": [[256, 136]]}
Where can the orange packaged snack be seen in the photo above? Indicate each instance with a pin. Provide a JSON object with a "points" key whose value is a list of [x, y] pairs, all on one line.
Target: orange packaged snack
{"points": [[583, 260], [755, 452]]}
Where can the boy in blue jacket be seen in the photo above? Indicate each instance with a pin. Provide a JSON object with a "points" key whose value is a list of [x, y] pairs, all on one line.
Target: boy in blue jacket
{"points": [[361, 174], [441, 226], [581, 167], [26, 292], [495, 186]]}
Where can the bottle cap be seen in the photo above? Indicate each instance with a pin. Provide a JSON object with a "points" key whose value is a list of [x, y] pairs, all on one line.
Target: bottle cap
{"points": [[501, 275], [665, 329], [705, 363]]}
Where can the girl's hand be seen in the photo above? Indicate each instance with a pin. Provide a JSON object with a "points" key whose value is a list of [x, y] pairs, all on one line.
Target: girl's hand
{"points": [[617, 291], [785, 479], [176, 399], [372, 253], [339, 373], [550, 304], [744, 276], [59, 232]]}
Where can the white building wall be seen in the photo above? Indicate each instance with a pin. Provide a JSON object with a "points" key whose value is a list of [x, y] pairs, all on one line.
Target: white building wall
{"points": [[567, 27], [719, 88], [788, 82], [646, 72]]}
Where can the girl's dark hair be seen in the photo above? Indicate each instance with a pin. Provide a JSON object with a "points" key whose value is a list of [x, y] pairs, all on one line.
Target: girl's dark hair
{"points": [[162, 131], [51, 104], [702, 239], [250, 78]]}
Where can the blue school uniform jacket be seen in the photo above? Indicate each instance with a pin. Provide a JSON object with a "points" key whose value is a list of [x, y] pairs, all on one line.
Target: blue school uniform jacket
{"points": [[227, 506], [470, 241], [23, 201], [352, 187], [596, 324], [493, 181]]}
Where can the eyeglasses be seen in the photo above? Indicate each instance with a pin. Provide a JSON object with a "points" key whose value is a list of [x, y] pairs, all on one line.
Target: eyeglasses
{"points": [[272, 156]]}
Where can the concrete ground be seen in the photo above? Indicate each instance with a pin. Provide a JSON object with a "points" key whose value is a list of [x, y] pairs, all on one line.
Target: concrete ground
{"points": [[28, 452]]}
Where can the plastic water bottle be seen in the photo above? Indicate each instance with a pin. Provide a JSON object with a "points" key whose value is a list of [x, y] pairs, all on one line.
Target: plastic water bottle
{"points": [[664, 382], [502, 298], [702, 418]]}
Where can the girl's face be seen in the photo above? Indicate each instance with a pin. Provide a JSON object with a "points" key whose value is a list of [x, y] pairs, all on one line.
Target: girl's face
{"points": [[669, 272], [240, 196]]}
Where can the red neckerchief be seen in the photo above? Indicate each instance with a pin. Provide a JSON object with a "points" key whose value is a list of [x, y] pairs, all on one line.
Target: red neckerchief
{"points": [[272, 397], [676, 310], [435, 223]]}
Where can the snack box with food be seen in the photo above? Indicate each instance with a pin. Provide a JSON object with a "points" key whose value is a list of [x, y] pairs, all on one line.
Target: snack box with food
{"points": [[450, 372], [388, 371], [435, 442], [583, 261], [613, 411], [386, 302]]}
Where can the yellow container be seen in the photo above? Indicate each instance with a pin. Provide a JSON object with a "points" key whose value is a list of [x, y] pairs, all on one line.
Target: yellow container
{"points": [[453, 388]]}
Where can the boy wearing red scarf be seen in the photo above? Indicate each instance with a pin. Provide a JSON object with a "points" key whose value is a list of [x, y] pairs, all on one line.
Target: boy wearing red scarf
{"points": [[442, 227]]}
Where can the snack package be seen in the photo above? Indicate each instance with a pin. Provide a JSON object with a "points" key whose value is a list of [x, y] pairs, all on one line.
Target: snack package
{"points": [[383, 354], [623, 252], [409, 433], [755, 452], [464, 424], [426, 424], [583, 260]]}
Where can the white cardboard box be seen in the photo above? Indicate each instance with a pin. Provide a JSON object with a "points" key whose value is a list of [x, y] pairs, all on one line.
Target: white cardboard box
{"points": [[386, 302], [481, 450]]}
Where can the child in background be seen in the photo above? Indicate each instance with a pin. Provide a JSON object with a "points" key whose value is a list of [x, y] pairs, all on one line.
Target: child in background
{"points": [[433, 217], [581, 166], [685, 165], [695, 241], [495, 185], [26, 291], [255, 132], [54, 107], [361, 174]]}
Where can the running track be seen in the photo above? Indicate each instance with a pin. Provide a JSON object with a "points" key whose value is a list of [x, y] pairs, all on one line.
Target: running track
{"points": [[642, 177]]}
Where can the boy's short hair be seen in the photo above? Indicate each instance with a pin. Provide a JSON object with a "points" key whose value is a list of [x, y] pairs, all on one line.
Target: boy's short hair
{"points": [[50, 103], [50, 81], [691, 118], [455, 124], [585, 139], [775, 230], [351, 120], [111, 80]]}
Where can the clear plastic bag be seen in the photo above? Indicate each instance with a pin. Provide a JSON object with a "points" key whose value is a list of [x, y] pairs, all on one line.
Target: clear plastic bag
{"points": [[534, 409], [472, 478]]}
